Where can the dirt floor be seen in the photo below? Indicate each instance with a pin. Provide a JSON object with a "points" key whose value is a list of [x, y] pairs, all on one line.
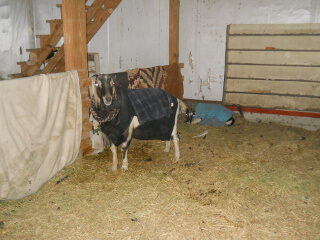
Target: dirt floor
{"points": [[248, 181]]}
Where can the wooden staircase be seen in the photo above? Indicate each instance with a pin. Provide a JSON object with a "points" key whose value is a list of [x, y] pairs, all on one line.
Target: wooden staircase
{"points": [[96, 14]]}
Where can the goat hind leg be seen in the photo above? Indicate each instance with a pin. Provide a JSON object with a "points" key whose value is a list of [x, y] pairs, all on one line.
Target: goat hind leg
{"points": [[175, 136], [176, 147], [167, 149]]}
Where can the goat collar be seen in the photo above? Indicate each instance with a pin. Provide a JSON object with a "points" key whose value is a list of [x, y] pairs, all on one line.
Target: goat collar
{"points": [[106, 115]]}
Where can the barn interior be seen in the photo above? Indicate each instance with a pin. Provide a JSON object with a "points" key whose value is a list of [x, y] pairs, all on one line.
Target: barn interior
{"points": [[256, 179]]}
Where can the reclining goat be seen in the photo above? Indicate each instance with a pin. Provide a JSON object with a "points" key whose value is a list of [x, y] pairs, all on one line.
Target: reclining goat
{"points": [[144, 114]]}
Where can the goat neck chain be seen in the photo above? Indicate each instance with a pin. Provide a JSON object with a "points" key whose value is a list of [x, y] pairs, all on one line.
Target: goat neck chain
{"points": [[103, 115]]}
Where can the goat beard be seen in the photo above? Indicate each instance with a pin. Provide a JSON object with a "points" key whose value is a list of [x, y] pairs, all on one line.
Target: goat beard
{"points": [[103, 113]]}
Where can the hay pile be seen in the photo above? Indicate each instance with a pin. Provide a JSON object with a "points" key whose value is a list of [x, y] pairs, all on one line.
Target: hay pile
{"points": [[249, 181]]}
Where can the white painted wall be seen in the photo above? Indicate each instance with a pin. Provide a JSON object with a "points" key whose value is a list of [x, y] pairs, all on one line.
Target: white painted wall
{"points": [[136, 34], [16, 35], [44, 10], [203, 26]]}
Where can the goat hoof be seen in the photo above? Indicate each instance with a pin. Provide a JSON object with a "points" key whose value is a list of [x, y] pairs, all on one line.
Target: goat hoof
{"points": [[166, 150], [114, 168], [124, 168], [175, 161]]}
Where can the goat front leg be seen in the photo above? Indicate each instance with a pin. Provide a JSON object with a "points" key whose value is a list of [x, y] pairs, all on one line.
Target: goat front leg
{"points": [[125, 145], [114, 158], [124, 150]]}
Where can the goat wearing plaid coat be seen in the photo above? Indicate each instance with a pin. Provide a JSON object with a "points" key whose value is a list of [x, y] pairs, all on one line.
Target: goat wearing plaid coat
{"points": [[143, 114]]}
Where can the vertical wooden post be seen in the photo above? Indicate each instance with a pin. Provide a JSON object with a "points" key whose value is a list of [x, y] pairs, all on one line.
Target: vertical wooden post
{"points": [[174, 31], [174, 84], [74, 32], [75, 48]]}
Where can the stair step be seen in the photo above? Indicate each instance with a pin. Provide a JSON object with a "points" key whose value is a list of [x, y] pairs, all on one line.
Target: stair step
{"points": [[24, 68], [16, 75], [22, 63], [32, 49], [36, 52], [53, 20], [38, 49], [46, 39], [28, 63], [42, 35], [55, 24], [48, 35], [43, 40], [60, 6]]}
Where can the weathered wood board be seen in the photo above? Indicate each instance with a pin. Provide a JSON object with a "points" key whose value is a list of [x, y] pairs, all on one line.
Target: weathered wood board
{"points": [[274, 87], [275, 58], [273, 66], [263, 29], [274, 101], [273, 72], [291, 42]]}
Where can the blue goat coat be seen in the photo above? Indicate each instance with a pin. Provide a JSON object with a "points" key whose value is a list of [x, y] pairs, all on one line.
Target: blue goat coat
{"points": [[212, 114]]}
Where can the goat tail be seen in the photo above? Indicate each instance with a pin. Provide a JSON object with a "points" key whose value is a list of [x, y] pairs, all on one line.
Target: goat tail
{"points": [[183, 106]]}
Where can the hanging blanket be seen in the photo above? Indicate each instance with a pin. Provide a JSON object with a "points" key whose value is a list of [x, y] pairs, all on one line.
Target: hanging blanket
{"points": [[150, 103], [153, 77], [41, 123]]}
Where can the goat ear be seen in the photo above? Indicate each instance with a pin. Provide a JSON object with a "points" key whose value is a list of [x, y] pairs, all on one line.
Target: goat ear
{"points": [[95, 91], [97, 100], [95, 78]]}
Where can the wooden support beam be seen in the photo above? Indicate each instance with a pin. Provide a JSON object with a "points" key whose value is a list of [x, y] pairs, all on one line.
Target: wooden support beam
{"points": [[75, 41], [174, 31], [94, 8], [75, 49], [100, 17], [174, 83]]}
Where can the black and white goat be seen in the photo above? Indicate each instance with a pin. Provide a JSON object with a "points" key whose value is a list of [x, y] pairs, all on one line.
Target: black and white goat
{"points": [[125, 114]]}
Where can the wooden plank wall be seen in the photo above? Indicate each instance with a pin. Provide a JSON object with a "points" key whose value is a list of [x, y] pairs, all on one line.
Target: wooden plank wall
{"points": [[273, 66]]}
